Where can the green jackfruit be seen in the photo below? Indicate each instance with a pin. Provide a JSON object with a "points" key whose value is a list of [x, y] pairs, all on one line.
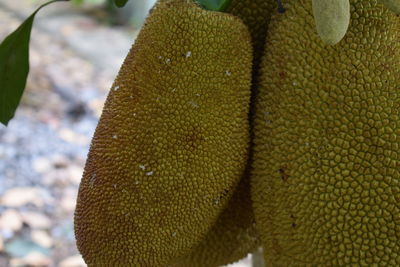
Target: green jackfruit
{"points": [[326, 178], [172, 141], [232, 237], [332, 19]]}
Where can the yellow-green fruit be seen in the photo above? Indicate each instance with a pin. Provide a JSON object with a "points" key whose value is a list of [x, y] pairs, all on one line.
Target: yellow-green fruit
{"points": [[332, 19], [393, 5], [326, 179], [171, 144], [234, 235]]}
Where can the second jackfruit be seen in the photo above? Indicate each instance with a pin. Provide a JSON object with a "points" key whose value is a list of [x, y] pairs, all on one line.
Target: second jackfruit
{"points": [[326, 179]]}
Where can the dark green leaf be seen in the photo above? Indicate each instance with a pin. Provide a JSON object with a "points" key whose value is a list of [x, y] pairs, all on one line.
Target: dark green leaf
{"points": [[120, 3], [14, 67], [214, 5]]}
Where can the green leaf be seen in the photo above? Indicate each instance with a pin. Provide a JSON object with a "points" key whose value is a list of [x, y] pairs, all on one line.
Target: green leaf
{"points": [[14, 67], [215, 5], [77, 2], [120, 3]]}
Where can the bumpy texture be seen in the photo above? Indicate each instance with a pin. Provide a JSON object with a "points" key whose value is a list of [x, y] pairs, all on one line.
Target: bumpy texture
{"points": [[234, 234], [393, 5], [171, 144], [332, 19], [232, 237], [256, 14], [326, 180]]}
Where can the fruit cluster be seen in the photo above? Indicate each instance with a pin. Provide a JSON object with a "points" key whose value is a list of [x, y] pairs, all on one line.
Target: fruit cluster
{"points": [[226, 131]]}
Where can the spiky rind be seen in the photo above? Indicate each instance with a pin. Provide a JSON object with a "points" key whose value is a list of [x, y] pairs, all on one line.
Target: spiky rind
{"points": [[172, 142], [326, 179]]}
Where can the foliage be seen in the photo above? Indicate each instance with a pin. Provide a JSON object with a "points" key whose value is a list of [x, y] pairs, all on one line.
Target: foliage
{"points": [[14, 67]]}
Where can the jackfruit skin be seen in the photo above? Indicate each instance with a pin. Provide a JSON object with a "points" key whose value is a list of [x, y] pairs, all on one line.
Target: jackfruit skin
{"points": [[326, 181], [234, 234], [171, 143], [332, 19], [256, 14]]}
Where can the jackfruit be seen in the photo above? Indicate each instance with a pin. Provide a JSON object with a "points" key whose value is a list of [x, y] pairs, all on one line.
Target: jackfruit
{"points": [[232, 237], [172, 141], [326, 178], [234, 234], [332, 19]]}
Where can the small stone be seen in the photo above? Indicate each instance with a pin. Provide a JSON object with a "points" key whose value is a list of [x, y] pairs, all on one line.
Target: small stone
{"points": [[68, 200], [242, 263], [10, 221], [34, 259], [72, 137], [73, 261], [20, 196], [41, 165], [55, 177], [75, 174], [60, 161], [37, 259], [41, 238], [36, 220], [96, 106]]}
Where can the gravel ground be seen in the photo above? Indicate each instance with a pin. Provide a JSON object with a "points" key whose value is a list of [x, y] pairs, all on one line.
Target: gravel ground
{"points": [[74, 60]]}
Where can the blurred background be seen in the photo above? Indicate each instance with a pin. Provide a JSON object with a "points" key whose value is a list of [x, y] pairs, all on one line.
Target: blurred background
{"points": [[76, 51]]}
